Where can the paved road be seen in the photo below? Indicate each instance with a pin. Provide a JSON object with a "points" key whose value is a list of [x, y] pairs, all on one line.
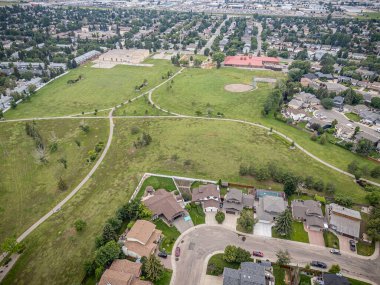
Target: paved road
{"points": [[204, 240], [211, 40]]}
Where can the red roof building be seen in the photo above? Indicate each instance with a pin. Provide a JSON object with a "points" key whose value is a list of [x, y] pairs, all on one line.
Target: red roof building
{"points": [[249, 61]]}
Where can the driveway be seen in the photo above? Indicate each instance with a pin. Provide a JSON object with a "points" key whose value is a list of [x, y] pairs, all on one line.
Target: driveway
{"points": [[229, 221], [166, 262], [263, 229], [213, 280], [344, 243], [315, 237], [183, 225], [201, 241]]}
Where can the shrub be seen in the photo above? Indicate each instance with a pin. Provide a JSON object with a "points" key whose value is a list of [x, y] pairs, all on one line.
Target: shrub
{"points": [[219, 217], [80, 225], [135, 130]]}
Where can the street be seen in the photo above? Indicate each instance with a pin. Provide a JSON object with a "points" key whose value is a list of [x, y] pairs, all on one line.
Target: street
{"points": [[196, 245]]}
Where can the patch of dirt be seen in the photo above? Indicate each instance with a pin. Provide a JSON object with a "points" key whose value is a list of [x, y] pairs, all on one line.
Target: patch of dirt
{"points": [[237, 88]]}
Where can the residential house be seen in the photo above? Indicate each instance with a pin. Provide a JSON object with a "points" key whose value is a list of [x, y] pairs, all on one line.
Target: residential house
{"points": [[324, 76], [142, 239], [374, 86], [208, 196], [164, 205], [270, 207], [295, 104], [235, 200], [334, 279], [308, 99], [343, 220], [364, 135], [338, 102], [250, 273], [344, 132], [324, 124], [87, 56], [123, 272], [295, 115], [369, 117], [334, 87], [310, 213]]}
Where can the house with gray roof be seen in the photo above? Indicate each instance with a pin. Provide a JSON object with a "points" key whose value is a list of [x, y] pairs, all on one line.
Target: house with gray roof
{"points": [[270, 207], [235, 201], [250, 273], [343, 220], [208, 196], [309, 212]]}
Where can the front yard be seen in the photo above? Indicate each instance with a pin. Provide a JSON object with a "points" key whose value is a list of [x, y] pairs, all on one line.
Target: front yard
{"points": [[366, 249], [331, 240], [170, 235], [298, 234], [196, 213], [279, 275], [216, 265], [353, 117]]}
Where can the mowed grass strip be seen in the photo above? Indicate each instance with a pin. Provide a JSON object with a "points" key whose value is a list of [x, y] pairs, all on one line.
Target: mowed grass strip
{"points": [[214, 149], [28, 188], [98, 89]]}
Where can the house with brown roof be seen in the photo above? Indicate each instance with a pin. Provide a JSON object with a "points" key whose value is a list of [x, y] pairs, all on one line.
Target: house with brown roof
{"points": [[309, 212], [123, 272], [142, 239], [163, 205], [207, 195]]}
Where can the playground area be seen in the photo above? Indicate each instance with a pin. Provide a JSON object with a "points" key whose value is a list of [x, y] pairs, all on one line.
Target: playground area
{"points": [[122, 56], [237, 88]]}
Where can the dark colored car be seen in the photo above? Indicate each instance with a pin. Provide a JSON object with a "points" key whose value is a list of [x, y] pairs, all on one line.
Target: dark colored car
{"points": [[162, 254], [258, 253], [177, 252], [319, 264], [352, 245]]}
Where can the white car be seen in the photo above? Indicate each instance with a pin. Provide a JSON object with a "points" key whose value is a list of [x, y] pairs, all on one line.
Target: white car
{"points": [[378, 130], [335, 251]]}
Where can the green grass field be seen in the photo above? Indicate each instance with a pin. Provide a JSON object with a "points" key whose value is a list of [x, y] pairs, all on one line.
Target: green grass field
{"points": [[139, 107], [99, 89], [207, 96], [353, 117], [331, 240], [298, 234], [28, 188]]}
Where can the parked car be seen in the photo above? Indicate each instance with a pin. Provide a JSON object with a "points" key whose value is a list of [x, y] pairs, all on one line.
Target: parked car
{"points": [[319, 264], [162, 254], [258, 253], [177, 252], [335, 251], [352, 245]]}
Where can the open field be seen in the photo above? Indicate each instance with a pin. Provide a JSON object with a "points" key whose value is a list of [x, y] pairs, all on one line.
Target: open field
{"points": [[28, 188], [206, 144], [139, 107], [98, 89], [207, 97]]}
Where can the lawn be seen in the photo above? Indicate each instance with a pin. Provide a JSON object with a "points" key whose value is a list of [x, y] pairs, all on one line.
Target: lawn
{"points": [[165, 279], [331, 240], [352, 116], [157, 183], [99, 89], [305, 280], [207, 96], [279, 275], [202, 149], [298, 234], [139, 107], [357, 282], [217, 263], [28, 188], [365, 248], [170, 235], [196, 213]]}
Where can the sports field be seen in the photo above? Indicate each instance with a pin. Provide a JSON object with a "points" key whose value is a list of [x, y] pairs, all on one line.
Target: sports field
{"points": [[29, 188], [98, 89]]}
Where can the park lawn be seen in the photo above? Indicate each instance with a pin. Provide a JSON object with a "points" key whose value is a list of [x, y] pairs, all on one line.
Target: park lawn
{"points": [[139, 107], [331, 240], [207, 144], [207, 94], [218, 261], [99, 89], [352, 116], [196, 213], [279, 275], [365, 249], [28, 189], [165, 279], [170, 235], [299, 234]]}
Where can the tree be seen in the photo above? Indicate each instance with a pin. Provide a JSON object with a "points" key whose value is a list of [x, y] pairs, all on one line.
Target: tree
{"points": [[62, 186], [327, 103], [364, 147], [109, 233], [219, 217], [330, 188], [303, 65], [284, 223], [323, 139], [206, 52], [236, 254], [218, 57], [295, 74], [107, 253], [272, 53], [375, 173], [375, 102], [246, 221], [80, 225], [290, 184], [335, 268], [283, 257], [353, 167], [373, 225], [373, 198], [153, 268], [1, 114], [11, 245], [32, 89]]}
